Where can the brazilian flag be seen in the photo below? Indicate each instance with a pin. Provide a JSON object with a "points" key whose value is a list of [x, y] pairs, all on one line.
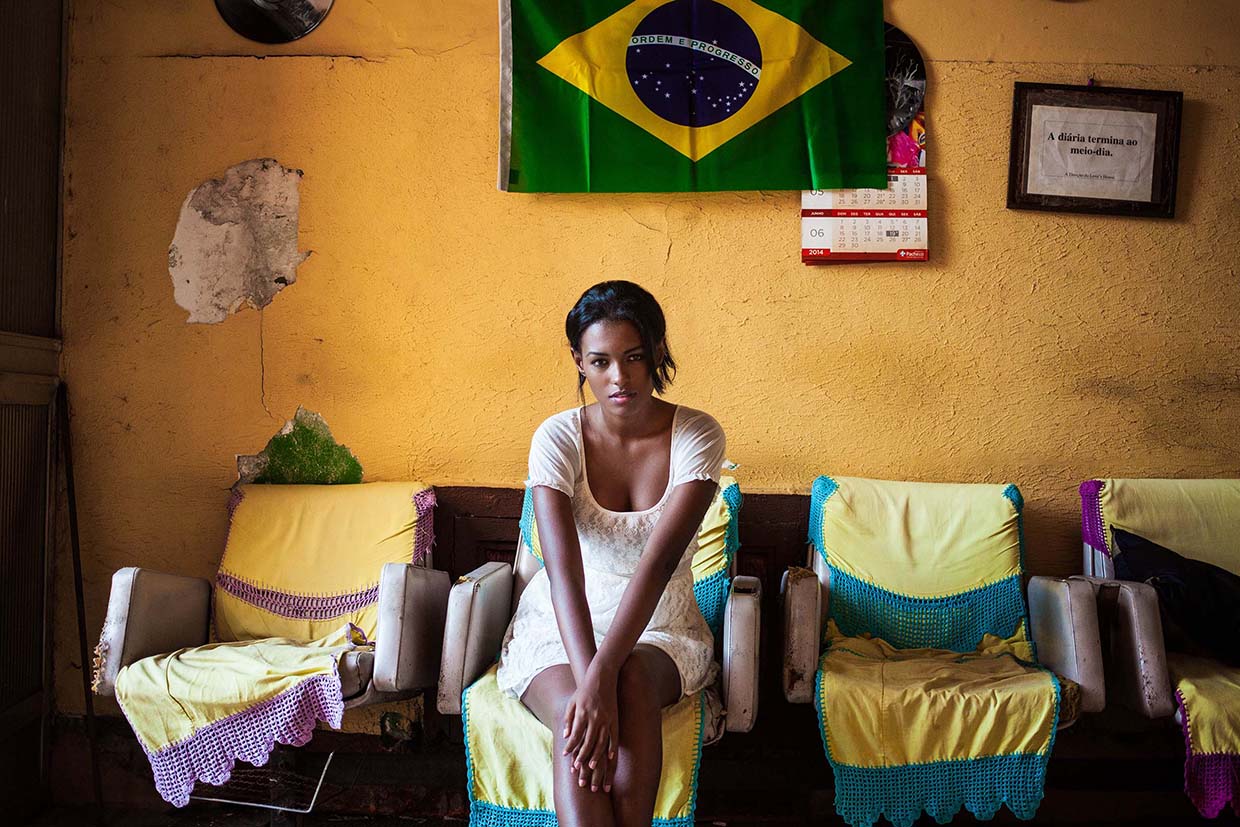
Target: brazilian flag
{"points": [[673, 95]]}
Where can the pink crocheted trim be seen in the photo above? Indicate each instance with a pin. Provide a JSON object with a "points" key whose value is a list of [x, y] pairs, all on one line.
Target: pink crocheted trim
{"points": [[1211, 780], [298, 606], [1093, 529], [233, 501], [327, 606], [210, 753], [424, 528]]}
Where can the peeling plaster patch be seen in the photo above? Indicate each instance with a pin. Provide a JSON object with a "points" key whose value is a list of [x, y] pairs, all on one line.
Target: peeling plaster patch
{"points": [[303, 452], [236, 240]]}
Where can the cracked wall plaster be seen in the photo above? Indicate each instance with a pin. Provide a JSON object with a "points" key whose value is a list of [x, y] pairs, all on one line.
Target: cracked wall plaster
{"points": [[302, 452], [236, 240]]}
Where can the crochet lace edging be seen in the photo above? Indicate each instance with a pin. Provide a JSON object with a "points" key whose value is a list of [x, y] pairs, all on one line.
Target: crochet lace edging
{"points": [[1093, 524], [297, 606], [424, 525], [210, 753], [1211, 780], [941, 789], [955, 621]]}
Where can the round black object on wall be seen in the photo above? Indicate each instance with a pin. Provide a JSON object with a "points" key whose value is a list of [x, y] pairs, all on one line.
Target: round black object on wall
{"points": [[273, 21], [906, 81]]}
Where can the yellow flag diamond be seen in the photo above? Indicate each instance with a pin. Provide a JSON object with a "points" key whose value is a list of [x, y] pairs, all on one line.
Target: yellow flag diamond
{"points": [[792, 63]]}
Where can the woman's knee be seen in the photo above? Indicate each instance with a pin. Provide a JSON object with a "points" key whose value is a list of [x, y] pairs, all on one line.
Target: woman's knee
{"points": [[548, 696], [635, 683]]}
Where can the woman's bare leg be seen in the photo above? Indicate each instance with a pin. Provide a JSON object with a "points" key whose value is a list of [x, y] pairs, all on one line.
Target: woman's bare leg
{"points": [[648, 682], [547, 697]]}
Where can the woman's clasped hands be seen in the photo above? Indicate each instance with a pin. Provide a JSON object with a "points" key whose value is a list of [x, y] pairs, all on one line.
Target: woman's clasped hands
{"points": [[592, 728]]}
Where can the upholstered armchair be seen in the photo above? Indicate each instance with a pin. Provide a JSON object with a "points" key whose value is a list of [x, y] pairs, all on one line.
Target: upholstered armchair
{"points": [[301, 563], [1197, 520]]}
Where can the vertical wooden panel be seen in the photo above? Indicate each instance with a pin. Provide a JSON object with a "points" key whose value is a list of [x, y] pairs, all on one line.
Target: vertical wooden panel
{"points": [[23, 487], [30, 118], [25, 678]]}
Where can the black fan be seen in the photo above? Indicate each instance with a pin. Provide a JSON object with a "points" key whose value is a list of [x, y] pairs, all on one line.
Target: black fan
{"points": [[906, 81], [273, 21]]}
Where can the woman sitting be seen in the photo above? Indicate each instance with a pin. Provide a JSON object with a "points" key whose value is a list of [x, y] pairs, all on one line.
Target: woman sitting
{"points": [[608, 633]]}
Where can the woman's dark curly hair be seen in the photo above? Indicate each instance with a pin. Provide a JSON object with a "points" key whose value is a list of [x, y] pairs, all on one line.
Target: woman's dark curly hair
{"points": [[623, 301]]}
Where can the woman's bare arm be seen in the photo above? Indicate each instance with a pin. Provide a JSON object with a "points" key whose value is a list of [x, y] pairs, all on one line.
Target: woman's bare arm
{"points": [[590, 714], [557, 534], [593, 730]]}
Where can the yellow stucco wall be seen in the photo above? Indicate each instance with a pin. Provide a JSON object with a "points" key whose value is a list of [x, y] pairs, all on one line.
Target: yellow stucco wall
{"points": [[1039, 348]]}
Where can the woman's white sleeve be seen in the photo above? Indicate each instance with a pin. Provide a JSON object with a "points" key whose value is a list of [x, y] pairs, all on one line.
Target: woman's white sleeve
{"points": [[699, 450], [554, 458]]}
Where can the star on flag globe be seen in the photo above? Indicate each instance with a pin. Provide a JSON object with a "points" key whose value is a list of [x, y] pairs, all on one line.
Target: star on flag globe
{"points": [[669, 95]]}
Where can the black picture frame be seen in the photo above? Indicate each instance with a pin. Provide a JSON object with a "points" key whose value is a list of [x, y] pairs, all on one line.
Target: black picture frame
{"points": [[1094, 101]]}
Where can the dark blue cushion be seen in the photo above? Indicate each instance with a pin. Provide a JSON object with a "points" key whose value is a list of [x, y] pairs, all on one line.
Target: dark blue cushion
{"points": [[1199, 603]]}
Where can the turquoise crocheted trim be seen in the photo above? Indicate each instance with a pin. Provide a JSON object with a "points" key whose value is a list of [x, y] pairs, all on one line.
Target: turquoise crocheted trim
{"points": [[821, 491], [527, 521], [1018, 502], [956, 622], [732, 496], [482, 814], [712, 590], [485, 814], [940, 788], [711, 593], [469, 759]]}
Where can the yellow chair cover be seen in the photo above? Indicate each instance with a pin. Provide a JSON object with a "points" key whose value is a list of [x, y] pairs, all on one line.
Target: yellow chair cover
{"points": [[303, 559], [1208, 693], [1199, 519], [510, 775], [928, 694], [196, 711]]}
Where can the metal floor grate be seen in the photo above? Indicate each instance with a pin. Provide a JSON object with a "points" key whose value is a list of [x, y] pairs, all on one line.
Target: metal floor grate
{"points": [[289, 782]]}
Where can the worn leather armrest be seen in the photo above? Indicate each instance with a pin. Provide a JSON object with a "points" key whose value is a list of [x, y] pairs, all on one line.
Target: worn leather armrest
{"points": [[742, 633], [803, 612], [413, 601], [1063, 614], [149, 613], [479, 608], [1136, 657]]}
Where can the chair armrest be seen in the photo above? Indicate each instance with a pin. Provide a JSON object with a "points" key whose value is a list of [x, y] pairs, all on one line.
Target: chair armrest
{"points": [[1063, 614], [803, 598], [413, 601], [1135, 655], [479, 608], [149, 613], [742, 634]]}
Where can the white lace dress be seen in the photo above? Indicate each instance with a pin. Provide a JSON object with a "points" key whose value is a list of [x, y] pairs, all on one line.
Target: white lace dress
{"points": [[611, 544]]}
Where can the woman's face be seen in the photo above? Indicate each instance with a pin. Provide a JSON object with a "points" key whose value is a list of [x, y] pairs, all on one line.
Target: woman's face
{"points": [[616, 366]]}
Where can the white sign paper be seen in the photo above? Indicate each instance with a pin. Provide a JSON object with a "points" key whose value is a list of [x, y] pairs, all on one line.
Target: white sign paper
{"points": [[1091, 153]]}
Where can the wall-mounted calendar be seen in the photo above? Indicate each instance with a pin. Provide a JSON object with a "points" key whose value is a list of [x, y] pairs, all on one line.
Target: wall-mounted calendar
{"points": [[880, 225], [872, 224]]}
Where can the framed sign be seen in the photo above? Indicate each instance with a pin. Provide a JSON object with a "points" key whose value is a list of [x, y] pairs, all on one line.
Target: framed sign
{"points": [[1094, 149]]}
